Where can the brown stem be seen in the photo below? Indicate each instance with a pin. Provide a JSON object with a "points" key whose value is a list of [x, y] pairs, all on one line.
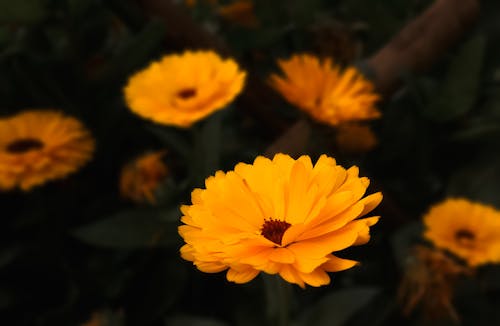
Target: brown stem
{"points": [[422, 41]]}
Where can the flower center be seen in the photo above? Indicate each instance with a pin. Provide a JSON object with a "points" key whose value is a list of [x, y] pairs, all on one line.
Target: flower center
{"points": [[274, 229], [464, 237], [24, 145], [186, 93]]}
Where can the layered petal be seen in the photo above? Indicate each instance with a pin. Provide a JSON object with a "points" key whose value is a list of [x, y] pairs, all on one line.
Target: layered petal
{"points": [[281, 216], [324, 91], [179, 90]]}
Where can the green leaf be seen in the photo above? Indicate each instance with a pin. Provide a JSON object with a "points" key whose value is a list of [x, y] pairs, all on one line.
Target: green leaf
{"points": [[206, 154], [336, 308], [21, 12], [459, 91], [183, 320], [130, 230], [478, 181]]}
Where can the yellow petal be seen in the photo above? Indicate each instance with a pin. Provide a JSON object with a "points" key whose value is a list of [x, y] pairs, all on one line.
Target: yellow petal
{"points": [[242, 275], [282, 255], [316, 278], [336, 264]]}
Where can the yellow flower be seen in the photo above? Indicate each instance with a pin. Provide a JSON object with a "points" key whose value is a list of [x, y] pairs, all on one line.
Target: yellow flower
{"points": [[280, 216], [141, 177], [324, 91], [240, 12], [38, 146], [181, 89], [467, 229], [355, 138]]}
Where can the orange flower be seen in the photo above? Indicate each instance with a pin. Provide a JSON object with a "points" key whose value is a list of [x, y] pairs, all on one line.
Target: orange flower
{"points": [[181, 89], [324, 91], [141, 178], [279, 216], [467, 229], [38, 146]]}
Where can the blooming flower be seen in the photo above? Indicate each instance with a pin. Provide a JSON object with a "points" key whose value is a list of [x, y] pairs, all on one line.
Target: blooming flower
{"points": [[279, 216], [467, 229], [142, 176], [38, 146], [324, 91], [181, 89]]}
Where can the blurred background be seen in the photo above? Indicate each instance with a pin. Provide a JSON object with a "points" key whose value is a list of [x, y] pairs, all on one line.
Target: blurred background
{"points": [[75, 251]]}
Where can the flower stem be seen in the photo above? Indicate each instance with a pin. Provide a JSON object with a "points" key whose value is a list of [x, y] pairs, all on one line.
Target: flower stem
{"points": [[278, 299]]}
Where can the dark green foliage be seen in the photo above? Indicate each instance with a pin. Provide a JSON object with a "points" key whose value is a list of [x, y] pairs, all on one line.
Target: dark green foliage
{"points": [[74, 246]]}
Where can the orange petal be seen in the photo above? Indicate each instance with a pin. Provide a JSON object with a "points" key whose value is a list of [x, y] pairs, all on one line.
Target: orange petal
{"points": [[282, 255], [316, 278], [243, 275], [370, 202], [336, 264], [290, 275]]}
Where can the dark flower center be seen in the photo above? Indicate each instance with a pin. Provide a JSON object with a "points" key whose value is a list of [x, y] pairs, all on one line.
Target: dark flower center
{"points": [[464, 236], [24, 145], [274, 229], [186, 93]]}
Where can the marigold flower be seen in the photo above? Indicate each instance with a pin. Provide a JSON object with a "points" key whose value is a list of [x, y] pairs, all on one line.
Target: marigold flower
{"points": [[467, 229], [355, 138], [279, 216], [141, 177], [429, 281], [38, 146], [323, 90], [181, 89]]}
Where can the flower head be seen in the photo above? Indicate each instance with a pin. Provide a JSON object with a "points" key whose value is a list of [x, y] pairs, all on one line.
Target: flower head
{"points": [[467, 229], [323, 90], [141, 177], [181, 89], [279, 216], [37, 146]]}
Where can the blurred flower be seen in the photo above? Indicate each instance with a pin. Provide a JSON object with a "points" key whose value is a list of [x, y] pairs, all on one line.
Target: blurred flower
{"points": [[429, 280], [467, 229], [355, 138], [240, 12], [280, 216], [39, 146], [141, 177], [324, 91], [181, 89]]}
